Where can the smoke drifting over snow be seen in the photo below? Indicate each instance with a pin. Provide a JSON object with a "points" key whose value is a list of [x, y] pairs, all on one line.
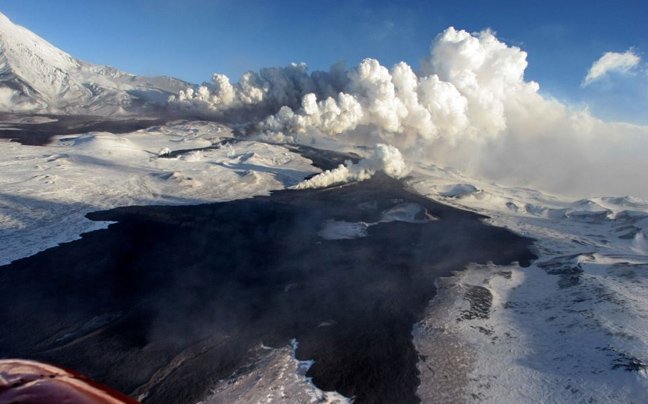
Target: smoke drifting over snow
{"points": [[469, 106], [384, 158]]}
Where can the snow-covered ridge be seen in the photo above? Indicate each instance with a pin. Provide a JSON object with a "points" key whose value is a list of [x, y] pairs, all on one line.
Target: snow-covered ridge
{"points": [[569, 328], [35, 76]]}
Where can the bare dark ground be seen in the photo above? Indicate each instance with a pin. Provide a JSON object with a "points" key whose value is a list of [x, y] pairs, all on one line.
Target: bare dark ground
{"points": [[185, 292], [39, 134]]}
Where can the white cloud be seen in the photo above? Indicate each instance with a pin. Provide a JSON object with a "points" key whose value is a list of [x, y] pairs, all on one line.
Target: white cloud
{"points": [[469, 107], [611, 62]]}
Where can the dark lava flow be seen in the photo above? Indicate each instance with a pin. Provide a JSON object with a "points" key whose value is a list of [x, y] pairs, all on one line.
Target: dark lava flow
{"points": [[40, 134], [169, 299]]}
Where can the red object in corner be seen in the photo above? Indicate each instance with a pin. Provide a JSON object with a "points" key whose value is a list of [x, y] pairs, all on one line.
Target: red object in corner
{"points": [[31, 382]]}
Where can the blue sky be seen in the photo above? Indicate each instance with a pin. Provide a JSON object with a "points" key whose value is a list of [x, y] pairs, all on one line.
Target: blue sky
{"points": [[192, 39]]}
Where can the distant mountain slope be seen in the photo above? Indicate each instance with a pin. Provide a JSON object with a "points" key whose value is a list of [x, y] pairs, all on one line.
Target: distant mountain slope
{"points": [[35, 76]]}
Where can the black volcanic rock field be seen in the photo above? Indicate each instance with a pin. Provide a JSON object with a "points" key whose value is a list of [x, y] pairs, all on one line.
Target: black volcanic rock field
{"points": [[168, 300], [40, 134]]}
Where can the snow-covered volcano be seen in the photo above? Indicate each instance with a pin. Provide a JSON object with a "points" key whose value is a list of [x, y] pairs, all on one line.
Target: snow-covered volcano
{"points": [[37, 77], [572, 327]]}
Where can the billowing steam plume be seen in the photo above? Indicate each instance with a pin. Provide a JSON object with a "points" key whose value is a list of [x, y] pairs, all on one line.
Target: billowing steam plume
{"points": [[469, 106], [384, 158]]}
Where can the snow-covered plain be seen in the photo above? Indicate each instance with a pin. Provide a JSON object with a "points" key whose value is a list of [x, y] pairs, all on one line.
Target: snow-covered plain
{"points": [[570, 328], [46, 191]]}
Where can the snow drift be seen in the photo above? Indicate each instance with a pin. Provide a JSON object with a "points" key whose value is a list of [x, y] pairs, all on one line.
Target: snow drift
{"points": [[468, 106]]}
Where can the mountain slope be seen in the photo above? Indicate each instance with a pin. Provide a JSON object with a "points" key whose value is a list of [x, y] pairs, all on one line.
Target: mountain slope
{"points": [[35, 76]]}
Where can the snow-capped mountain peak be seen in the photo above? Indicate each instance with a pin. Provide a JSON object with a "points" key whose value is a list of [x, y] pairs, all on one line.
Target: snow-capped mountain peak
{"points": [[36, 76], [20, 43]]}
